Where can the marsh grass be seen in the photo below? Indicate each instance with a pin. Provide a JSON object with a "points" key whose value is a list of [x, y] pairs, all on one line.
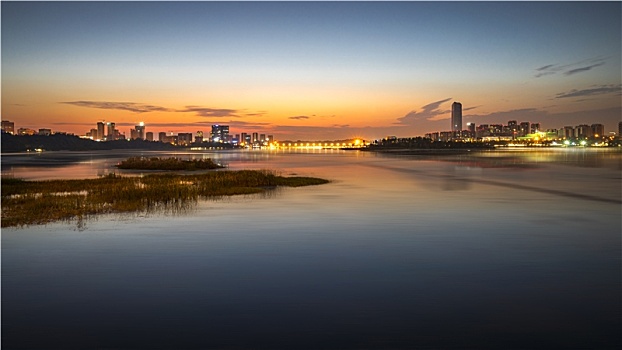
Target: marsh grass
{"points": [[40, 202], [171, 163]]}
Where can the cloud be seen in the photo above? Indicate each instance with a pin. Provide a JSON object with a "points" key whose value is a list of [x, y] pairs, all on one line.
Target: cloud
{"points": [[212, 112], [300, 117], [545, 67], [570, 68], [583, 69], [124, 106], [208, 112], [429, 112], [596, 90]]}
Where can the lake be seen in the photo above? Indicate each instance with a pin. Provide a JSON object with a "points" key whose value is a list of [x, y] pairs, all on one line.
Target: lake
{"points": [[514, 249]]}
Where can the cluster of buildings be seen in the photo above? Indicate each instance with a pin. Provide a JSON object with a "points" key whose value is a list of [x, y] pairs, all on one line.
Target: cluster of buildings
{"points": [[219, 134], [513, 130], [9, 128]]}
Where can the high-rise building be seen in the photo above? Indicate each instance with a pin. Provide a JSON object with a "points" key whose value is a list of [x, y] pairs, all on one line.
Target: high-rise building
{"points": [[162, 136], [598, 130], [583, 131], [620, 129], [149, 136], [535, 127], [140, 131], [471, 127], [220, 133], [456, 116], [8, 127], [523, 128], [184, 138], [111, 131], [568, 132], [255, 137], [198, 138], [100, 131]]}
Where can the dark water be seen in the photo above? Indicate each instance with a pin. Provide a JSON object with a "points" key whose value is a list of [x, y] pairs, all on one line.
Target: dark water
{"points": [[515, 249]]}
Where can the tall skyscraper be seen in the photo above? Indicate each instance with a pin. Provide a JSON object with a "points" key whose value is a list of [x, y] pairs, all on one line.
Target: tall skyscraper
{"points": [[456, 116], [100, 131], [598, 130], [140, 131], [111, 132]]}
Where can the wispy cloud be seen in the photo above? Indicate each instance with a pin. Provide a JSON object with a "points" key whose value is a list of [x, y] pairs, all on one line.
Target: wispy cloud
{"points": [[300, 117], [595, 90], [208, 112], [570, 68], [123, 106], [430, 111], [583, 69], [212, 112]]}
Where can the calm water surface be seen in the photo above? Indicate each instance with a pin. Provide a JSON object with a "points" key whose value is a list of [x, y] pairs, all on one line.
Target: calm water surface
{"points": [[513, 249]]}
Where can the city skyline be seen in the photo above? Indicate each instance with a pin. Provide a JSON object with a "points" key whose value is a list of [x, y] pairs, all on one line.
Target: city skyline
{"points": [[310, 70]]}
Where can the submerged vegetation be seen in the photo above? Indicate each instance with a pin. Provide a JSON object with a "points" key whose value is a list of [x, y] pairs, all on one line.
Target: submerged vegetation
{"points": [[40, 202], [155, 163]]}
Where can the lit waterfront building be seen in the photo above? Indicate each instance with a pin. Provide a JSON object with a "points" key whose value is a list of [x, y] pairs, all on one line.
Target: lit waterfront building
{"points": [[92, 134], [456, 116], [111, 131], [184, 138], [140, 130], [220, 133], [535, 127], [598, 130], [8, 127], [25, 131], [255, 137], [583, 131], [524, 128], [198, 138], [100, 132]]}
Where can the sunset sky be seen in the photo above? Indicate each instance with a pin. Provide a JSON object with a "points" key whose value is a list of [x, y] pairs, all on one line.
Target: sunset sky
{"points": [[310, 71]]}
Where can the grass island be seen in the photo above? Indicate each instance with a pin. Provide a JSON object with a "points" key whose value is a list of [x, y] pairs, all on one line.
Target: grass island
{"points": [[39, 202], [172, 163]]}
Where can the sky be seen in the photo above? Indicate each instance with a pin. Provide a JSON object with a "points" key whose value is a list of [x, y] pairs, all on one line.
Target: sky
{"points": [[310, 70]]}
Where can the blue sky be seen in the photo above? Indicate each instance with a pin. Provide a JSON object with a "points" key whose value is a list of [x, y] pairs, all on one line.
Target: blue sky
{"points": [[310, 69]]}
